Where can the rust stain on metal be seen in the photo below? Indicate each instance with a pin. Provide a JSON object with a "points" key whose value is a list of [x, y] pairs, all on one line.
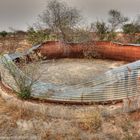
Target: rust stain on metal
{"points": [[107, 50]]}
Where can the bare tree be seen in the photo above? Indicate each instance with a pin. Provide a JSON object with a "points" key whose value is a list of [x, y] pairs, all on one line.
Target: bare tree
{"points": [[61, 18], [116, 19], [83, 35]]}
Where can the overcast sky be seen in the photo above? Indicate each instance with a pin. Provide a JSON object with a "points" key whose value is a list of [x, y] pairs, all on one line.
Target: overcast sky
{"points": [[19, 14]]}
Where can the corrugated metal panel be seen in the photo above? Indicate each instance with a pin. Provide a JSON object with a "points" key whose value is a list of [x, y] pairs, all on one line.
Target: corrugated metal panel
{"points": [[116, 84], [19, 55]]}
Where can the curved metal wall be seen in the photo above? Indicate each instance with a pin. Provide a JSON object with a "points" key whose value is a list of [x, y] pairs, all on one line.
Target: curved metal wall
{"points": [[117, 84], [108, 50]]}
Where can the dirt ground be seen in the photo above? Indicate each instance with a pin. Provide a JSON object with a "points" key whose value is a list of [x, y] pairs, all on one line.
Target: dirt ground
{"points": [[74, 71], [16, 124]]}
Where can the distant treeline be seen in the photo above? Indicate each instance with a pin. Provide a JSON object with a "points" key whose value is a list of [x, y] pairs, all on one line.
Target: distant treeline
{"points": [[61, 22]]}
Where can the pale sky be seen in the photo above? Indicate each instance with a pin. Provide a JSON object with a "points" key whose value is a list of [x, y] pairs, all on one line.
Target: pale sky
{"points": [[19, 14]]}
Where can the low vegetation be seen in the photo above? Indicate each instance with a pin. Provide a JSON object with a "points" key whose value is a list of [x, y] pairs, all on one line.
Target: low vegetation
{"points": [[64, 23], [37, 37], [24, 80], [61, 22], [16, 123], [91, 121]]}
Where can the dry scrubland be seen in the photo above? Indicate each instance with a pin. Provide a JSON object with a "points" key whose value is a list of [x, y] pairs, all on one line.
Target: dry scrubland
{"points": [[18, 123], [12, 44], [21, 124]]}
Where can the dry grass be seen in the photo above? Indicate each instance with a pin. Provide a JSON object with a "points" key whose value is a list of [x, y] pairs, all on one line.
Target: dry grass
{"points": [[23, 124], [13, 44], [91, 121]]}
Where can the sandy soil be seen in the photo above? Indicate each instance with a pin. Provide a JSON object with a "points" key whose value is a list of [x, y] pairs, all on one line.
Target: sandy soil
{"points": [[74, 71]]}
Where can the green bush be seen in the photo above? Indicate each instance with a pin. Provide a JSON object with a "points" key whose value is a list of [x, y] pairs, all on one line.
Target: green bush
{"points": [[3, 33], [24, 93], [37, 37], [111, 36], [137, 41], [23, 81]]}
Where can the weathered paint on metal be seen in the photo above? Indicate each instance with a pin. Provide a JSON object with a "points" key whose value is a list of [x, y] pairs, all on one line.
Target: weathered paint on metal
{"points": [[108, 50], [117, 84]]}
